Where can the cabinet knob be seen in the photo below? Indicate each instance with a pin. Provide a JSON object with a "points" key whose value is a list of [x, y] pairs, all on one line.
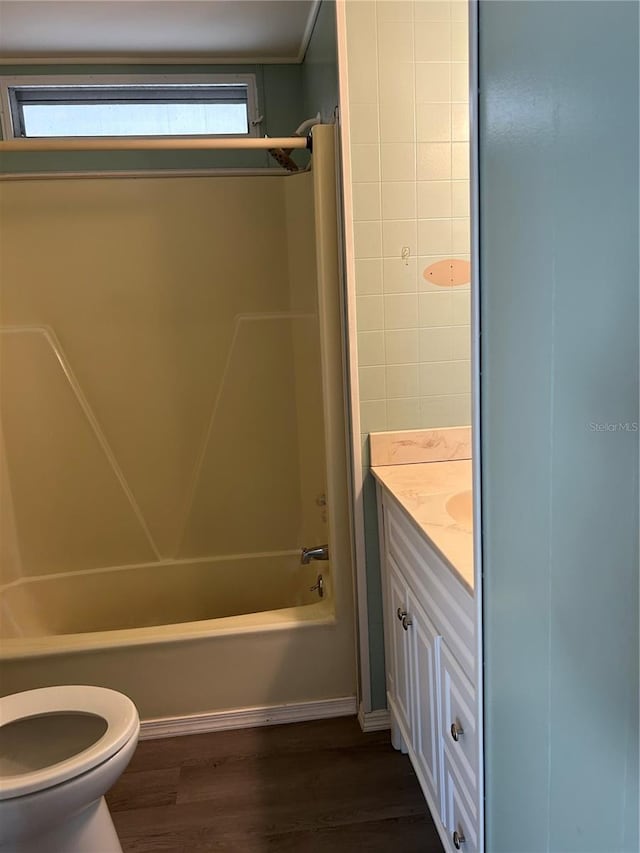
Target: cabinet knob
{"points": [[406, 622], [456, 730], [458, 839], [400, 613]]}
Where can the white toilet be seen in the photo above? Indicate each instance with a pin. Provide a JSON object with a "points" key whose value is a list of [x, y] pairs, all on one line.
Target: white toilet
{"points": [[61, 749]]}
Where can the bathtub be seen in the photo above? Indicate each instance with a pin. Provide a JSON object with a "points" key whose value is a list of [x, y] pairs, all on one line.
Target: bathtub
{"points": [[227, 633], [186, 636], [126, 604]]}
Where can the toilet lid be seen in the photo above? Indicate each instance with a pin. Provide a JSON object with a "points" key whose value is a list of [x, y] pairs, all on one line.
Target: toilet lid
{"points": [[115, 722]]}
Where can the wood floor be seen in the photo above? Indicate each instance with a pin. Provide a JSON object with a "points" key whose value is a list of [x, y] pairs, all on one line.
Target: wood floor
{"points": [[300, 788]]}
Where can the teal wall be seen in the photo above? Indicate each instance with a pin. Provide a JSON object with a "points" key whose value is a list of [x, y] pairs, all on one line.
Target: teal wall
{"points": [[279, 100], [375, 614], [559, 314], [320, 67]]}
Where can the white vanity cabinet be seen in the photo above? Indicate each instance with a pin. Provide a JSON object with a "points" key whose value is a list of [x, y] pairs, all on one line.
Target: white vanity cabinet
{"points": [[430, 659], [399, 663]]}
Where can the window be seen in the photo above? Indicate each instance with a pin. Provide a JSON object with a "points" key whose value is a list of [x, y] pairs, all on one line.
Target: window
{"points": [[154, 105]]}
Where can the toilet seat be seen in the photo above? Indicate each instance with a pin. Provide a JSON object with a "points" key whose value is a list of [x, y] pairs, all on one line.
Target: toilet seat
{"points": [[118, 712]]}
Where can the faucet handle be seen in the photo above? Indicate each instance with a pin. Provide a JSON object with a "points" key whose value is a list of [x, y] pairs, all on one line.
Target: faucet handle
{"points": [[318, 586]]}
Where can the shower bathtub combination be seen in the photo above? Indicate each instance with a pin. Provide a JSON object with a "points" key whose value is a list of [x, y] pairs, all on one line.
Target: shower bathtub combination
{"points": [[172, 437]]}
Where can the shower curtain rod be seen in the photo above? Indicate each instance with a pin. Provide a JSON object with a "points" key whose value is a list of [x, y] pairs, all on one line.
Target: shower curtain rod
{"points": [[110, 143]]}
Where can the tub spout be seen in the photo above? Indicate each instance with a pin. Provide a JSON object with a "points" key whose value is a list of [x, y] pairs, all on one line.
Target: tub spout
{"points": [[320, 552]]}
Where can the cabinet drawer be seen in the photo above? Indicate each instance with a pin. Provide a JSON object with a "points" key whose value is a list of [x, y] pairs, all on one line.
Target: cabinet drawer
{"points": [[461, 818], [458, 710]]}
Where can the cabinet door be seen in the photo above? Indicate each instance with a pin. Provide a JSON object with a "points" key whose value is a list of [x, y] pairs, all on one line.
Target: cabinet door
{"points": [[460, 812], [425, 651], [400, 689], [458, 702]]}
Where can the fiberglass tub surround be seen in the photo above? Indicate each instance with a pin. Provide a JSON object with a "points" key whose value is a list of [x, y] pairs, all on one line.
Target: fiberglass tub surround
{"points": [[166, 366], [153, 595]]}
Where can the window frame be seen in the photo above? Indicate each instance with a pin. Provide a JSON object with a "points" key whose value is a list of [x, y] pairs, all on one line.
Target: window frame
{"points": [[11, 123]]}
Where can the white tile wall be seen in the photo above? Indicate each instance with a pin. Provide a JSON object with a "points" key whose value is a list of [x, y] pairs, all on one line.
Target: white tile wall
{"points": [[433, 82], [372, 383], [368, 239], [368, 276], [432, 10], [436, 309], [402, 380], [460, 122], [370, 313], [397, 233], [435, 236], [371, 348], [398, 200], [409, 135], [399, 276], [365, 162], [364, 123], [460, 160], [434, 161], [435, 199], [398, 161], [400, 311], [366, 202], [432, 41], [433, 122], [460, 198], [403, 413], [373, 415], [401, 346]]}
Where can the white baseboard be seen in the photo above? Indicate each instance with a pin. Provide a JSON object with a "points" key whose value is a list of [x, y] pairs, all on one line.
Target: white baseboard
{"points": [[246, 718], [374, 721]]}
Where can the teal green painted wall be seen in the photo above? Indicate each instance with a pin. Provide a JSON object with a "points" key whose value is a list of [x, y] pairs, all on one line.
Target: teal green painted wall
{"points": [[279, 100], [375, 625], [559, 314], [377, 671], [320, 67]]}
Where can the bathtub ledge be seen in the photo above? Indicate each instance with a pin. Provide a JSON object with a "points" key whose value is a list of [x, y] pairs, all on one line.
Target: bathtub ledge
{"points": [[308, 616]]}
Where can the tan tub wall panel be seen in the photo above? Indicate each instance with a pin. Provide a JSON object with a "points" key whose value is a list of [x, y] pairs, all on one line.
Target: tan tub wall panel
{"points": [[247, 496], [10, 566], [303, 288], [21, 615], [332, 355], [301, 246], [143, 281], [71, 511], [154, 595], [312, 459]]}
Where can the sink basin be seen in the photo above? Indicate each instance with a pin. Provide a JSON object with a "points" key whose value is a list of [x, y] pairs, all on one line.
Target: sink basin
{"points": [[460, 508]]}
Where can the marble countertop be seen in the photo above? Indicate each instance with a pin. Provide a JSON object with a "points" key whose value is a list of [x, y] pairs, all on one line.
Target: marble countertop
{"points": [[437, 496]]}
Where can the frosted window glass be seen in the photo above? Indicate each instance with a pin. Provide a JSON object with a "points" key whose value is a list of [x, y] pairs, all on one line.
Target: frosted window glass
{"points": [[135, 119]]}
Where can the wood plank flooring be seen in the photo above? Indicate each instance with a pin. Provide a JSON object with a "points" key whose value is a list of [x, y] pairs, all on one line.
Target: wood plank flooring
{"points": [[301, 788]]}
